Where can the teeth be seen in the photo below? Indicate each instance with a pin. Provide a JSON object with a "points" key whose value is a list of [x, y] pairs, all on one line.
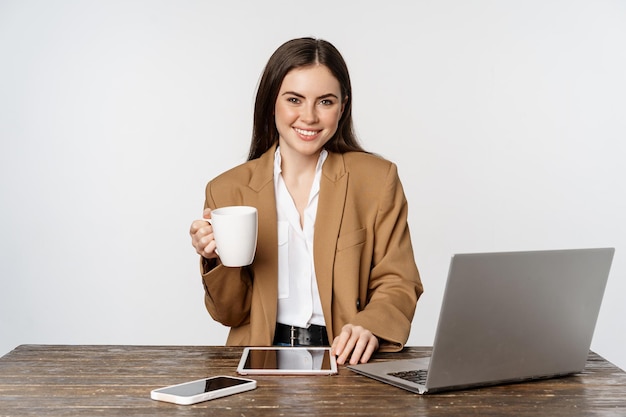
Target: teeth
{"points": [[306, 132]]}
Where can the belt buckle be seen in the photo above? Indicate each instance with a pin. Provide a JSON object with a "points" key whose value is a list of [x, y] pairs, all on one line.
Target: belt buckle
{"points": [[293, 335]]}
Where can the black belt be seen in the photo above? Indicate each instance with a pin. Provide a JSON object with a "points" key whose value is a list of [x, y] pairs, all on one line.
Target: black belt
{"points": [[297, 336]]}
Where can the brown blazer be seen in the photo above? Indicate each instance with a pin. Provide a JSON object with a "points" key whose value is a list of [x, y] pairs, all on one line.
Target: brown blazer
{"points": [[366, 272]]}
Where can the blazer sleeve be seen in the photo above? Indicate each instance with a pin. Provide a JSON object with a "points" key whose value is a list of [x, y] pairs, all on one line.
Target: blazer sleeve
{"points": [[394, 282], [228, 294], [227, 291]]}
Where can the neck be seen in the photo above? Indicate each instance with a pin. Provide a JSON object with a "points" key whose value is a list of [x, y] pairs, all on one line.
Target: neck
{"points": [[297, 165]]}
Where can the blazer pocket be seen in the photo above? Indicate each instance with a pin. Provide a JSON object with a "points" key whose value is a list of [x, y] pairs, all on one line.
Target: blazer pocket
{"points": [[351, 239]]}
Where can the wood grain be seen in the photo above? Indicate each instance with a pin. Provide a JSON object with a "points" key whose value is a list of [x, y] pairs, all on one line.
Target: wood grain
{"points": [[42, 380]]}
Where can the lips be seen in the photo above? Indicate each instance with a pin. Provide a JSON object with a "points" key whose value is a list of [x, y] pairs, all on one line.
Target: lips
{"points": [[307, 134]]}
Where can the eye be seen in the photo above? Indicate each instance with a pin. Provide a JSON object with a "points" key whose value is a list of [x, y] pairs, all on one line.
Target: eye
{"points": [[327, 102], [293, 100]]}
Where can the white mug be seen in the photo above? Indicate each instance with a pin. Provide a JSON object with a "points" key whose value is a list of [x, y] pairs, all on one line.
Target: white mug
{"points": [[235, 230]]}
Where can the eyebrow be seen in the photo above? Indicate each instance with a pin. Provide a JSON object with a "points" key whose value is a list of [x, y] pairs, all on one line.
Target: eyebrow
{"points": [[317, 98]]}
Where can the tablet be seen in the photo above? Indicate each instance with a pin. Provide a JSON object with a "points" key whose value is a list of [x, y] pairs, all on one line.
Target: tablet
{"points": [[287, 361]]}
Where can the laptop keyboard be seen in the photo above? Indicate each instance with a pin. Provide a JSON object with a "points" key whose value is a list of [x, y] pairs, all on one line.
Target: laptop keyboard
{"points": [[417, 376]]}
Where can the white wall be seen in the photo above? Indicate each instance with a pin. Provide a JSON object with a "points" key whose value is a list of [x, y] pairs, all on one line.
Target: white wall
{"points": [[506, 119]]}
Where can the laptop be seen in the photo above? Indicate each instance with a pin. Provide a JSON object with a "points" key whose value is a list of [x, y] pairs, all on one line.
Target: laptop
{"points": [[508, 317]]}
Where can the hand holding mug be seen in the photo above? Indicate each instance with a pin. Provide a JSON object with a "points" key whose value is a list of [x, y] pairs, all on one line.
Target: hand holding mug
{"points": [[202, 237], [227, 232]]}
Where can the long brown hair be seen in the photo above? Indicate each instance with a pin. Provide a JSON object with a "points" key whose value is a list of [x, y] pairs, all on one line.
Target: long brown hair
{"points": [[294, 54]]}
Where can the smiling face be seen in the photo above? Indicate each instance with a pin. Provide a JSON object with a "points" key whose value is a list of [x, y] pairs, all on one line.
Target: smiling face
{"points": [[307, 112]]}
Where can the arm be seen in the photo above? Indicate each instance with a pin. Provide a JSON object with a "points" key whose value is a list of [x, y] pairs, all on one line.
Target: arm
{"points": [[393, 285], [227, 290], [227, 293]]}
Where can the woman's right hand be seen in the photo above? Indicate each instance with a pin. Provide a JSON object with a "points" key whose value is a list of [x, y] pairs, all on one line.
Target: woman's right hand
{"points": [[202, 239]]}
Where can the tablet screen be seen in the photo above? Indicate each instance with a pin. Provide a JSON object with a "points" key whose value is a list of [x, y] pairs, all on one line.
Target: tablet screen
{"points": [[287, 360]]}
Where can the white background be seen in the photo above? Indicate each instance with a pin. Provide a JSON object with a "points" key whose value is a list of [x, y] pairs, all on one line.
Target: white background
{"points": [[507, 120]]}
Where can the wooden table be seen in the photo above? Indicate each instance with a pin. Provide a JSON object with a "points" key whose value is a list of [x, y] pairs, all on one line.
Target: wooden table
{"points": [[40, 380]]}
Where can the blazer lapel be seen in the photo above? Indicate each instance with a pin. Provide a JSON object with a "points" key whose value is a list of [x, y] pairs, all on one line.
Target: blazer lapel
{"points": [[332, 197], [266, 258]]}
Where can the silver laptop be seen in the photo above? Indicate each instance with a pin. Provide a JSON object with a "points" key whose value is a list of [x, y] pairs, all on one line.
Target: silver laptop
{"points": [[508, 317]]}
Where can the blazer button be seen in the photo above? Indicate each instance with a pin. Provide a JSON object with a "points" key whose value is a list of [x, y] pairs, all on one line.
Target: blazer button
{"points": [[358, 304]]}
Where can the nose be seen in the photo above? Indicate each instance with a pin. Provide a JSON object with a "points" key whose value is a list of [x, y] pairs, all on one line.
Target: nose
{"points": [[309, 114]]}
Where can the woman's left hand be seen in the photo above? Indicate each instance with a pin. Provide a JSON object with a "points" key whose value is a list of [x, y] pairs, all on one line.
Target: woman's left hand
{"points": [[355, 340]]}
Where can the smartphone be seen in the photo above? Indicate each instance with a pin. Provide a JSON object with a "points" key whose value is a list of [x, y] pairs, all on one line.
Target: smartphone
{"points": [[202, 390]]}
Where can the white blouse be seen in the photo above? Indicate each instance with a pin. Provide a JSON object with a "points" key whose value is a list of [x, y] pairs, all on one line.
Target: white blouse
{"points": [[298, 296]]}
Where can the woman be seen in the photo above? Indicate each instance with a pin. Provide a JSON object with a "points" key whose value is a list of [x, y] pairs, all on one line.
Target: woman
{"points": [[334, 260]]}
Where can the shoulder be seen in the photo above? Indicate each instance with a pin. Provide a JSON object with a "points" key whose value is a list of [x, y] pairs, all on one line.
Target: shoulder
{"points": [[256, 173], [357, 160], [369, 167], [242, 172], [238, 185], [366, 174]]}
